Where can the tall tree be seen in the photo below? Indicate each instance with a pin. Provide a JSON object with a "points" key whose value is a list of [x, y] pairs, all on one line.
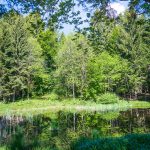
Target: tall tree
{"points": [[133, 45], [18, 58], [100, 28], [72, 64], [49, 43], [105, 73]]}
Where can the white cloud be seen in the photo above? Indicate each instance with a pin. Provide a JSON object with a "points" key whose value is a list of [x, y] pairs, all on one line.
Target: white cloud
{"points": [[120, 8]]}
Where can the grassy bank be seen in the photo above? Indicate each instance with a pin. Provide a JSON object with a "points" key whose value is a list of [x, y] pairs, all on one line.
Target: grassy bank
{"points": [[40, 105], [140, 104]]}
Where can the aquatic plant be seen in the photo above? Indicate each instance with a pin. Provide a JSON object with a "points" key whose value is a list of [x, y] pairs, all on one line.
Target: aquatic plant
{"points": [[128, 142]]}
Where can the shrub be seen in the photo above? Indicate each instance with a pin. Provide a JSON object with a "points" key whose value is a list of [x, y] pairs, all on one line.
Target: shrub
{"points": [[107, 98], [51, 97]]}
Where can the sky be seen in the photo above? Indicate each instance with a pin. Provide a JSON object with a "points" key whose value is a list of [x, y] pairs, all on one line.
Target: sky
{"points": [[119, 6]]}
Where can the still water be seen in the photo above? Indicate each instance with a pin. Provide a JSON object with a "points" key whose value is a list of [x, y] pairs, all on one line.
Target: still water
{"points": [[57, 130]]}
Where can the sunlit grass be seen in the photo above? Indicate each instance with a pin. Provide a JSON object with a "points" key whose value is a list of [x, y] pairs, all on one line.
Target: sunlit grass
{"points": [[2, 148], [140, 104], [37, 106]]}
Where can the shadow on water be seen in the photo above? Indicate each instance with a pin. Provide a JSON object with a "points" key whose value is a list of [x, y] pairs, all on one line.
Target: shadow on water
{"points": [[128, 142], [65, 130]]}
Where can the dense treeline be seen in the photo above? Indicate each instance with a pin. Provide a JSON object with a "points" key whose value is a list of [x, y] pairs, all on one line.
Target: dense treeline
{"points": [[112, 55]]}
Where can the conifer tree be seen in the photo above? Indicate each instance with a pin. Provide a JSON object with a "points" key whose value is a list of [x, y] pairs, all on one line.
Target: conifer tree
{"points": [[18, 57]]}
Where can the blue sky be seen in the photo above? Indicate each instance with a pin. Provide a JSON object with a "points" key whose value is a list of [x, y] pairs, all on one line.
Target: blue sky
{"points": [[119, 6]]}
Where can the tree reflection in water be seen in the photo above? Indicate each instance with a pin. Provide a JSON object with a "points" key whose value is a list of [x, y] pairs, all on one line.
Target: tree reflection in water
{"points": [[58, 130]]}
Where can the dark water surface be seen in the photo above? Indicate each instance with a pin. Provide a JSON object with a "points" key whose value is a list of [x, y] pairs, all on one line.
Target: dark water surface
{"points": [[58, 130]]}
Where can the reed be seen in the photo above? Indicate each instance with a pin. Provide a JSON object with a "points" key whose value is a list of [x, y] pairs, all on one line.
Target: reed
{"points": [[37, 106]]}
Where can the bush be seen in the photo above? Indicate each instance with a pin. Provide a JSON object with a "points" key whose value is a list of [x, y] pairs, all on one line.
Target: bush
{"points": [[51, 97], [107, 98]]}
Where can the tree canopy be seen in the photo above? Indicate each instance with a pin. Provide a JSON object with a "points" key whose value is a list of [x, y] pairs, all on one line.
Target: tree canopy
{"points": [[111, 55]]}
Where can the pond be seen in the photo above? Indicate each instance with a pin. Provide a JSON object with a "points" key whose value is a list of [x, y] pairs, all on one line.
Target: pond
{"points": [[57, 130]]}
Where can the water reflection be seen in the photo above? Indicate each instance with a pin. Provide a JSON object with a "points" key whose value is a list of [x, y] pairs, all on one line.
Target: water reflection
{"points": [[58, 130]]}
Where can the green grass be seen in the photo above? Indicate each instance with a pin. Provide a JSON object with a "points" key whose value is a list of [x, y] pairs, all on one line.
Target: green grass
{"points": [[140, 104], [36, 106]]}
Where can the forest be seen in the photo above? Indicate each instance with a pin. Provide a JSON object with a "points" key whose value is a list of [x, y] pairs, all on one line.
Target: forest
{"points": [[74, 75], [111, 55]]}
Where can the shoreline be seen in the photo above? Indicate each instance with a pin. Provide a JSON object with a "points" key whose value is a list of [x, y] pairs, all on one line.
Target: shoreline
{"points": [[40, 106]]}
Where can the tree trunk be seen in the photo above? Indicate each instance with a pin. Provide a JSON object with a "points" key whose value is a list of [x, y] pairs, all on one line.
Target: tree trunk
{"points": [[74, 121], [73, 91], [22, 94], [14, 95], [28, 88], [28, 93], [135, 95]]}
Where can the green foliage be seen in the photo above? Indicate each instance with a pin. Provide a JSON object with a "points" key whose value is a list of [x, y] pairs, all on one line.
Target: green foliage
{"points": [[135, 141], [110, 115], [104, 74], [112, 55], [52, 97], [110, 58], [17, 142], [133, 44], [35, 23], [21, 59], [55, 12], [107, 98], [48, 41], [71, 63], [127, 39]]}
